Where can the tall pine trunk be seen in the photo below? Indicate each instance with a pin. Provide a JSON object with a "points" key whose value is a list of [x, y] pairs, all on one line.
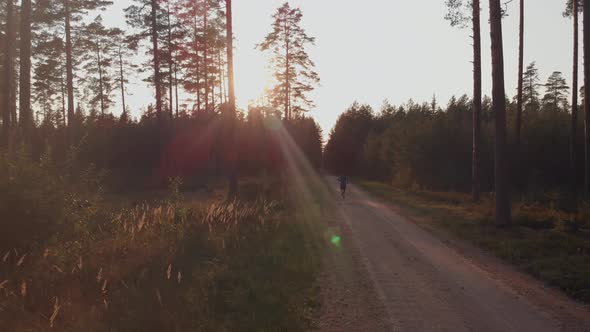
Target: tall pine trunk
{"points": [[25, 114], [122, 79], [586, 39], [231, 141], [476, 188], [8, 76], [157, 82], [197, 69], [519, 97], [170, 82], [100, 83], [503, 214], [69, 72], [176, 83], [574, 133], [205, 52], [287, 74]]}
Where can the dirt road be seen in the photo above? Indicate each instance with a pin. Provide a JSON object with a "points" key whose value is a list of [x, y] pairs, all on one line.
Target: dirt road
{"points": [[387, 274]]}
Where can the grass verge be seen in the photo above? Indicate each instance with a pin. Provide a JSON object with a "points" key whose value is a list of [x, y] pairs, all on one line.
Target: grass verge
{"points": [[174, 264], [540, 241]]}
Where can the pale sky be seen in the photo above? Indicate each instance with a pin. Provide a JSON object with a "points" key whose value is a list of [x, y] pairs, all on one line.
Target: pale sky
{"points": [[373, 50]]}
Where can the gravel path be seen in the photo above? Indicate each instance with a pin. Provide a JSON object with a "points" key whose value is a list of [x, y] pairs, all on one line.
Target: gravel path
{"points": [[390, 275]]}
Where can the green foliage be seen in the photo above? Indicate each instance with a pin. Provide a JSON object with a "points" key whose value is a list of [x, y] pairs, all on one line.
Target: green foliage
{"points": [[413, 145], [45, 197], [293, 69], [169, 264]]}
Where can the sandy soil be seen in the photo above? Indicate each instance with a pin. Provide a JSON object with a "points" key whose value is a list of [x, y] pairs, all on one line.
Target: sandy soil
{"points": [[388, 274]]}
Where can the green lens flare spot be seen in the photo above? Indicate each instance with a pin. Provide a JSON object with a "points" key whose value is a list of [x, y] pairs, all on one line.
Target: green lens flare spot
{"points": [[336, 240]]}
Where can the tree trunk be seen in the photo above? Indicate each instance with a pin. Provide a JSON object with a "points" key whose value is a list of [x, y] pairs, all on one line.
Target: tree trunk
{"points": [[25, 114], [503, 214], [232, 151], [157, 85], [170, 62], [574, 134], [176, 84], [287, 74], [8, 76], [198, 73], [100, 84], [205, 53], [122, 79], [586, 36], [63, 98], [476, 188], [520, 79], [69, 72], [220, 69]]}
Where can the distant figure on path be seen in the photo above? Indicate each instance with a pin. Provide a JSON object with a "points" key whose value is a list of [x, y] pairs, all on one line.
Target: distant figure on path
{"points": [[343, 182]]}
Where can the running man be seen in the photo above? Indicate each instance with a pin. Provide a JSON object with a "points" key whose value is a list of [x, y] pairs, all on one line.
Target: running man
{"points": [[343, 182]]}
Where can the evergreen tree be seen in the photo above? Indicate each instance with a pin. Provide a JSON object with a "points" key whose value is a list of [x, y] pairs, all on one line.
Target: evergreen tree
{"points": [[294, 70], [503, 209], [556, 92], [457, 17], [146, 17], [25, 112], [101, 43], [73, 12], [530, 87], [573, 9], [8, 75], [519, 96]]}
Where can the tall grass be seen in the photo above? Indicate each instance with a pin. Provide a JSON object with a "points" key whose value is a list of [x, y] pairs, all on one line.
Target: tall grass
{"points": [[162, 265]]}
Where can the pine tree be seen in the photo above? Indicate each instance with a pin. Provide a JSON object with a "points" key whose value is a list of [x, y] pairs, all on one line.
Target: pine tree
{"points": [[503, 209], [294, 70], [124, 49], [573, 10], [586, 56], [519, 97], [73, 12], [556, 91], [25, 112], [8, 75], [530, 87], [100, 43], [232, 176], [146, 17], [457, 17]]}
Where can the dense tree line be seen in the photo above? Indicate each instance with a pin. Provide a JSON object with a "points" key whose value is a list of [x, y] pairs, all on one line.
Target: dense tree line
{"points": [[63, 71], [426, 146]]}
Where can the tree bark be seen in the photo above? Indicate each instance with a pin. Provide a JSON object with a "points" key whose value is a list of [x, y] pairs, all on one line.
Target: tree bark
{"points": [[574, 133], [170, 62], [287, 73], [476, 188], [69, 72], [25, 114], [586, 36], [520, 79], [8, 76], [63, 98], [157, 85], [503, 213], [197, 69], [176, 84], [100, 84], [122, 79], [232, 151], [205, 53]]}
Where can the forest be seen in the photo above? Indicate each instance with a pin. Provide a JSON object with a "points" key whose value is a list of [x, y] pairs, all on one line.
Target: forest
{"points": [[196, 215], [535, 143]]}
